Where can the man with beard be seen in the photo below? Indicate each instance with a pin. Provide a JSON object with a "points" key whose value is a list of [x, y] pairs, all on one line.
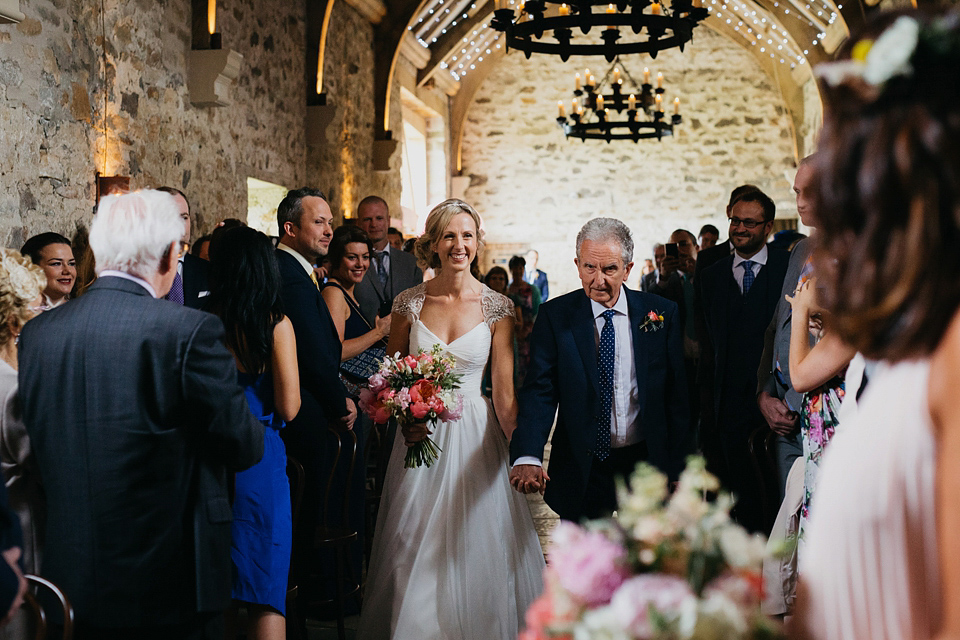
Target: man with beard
{"points": [[740, 293]]}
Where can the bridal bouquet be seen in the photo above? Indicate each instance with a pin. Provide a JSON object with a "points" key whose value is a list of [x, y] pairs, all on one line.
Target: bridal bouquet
{"points": [[413, 389], [666, 568]]}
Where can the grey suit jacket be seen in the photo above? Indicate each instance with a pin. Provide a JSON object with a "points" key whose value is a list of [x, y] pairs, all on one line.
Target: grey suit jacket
{"points": [[404, 273], [776, 347], [135, 416]]}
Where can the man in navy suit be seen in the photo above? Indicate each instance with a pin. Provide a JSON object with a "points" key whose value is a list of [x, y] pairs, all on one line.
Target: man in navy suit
{"points": [[535, 276], [305, 224], [616, 377], [190, 286], [739, 294]]}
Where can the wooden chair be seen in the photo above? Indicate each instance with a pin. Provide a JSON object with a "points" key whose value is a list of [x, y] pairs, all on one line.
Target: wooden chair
{"points": [[296, 630], [38, 615], [337, 535]]}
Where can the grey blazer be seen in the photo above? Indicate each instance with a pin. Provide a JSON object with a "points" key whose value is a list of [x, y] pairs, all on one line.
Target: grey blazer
{"points": [[404, 273], [776, 347], [135, 417]]}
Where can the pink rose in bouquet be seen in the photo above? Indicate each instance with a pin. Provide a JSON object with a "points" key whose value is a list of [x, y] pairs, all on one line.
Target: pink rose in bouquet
{"points": [[415, 388], [588, 565], [639, 598]]}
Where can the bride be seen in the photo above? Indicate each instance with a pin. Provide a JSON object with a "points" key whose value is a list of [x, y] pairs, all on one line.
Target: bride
{"points": [[455, 554]]}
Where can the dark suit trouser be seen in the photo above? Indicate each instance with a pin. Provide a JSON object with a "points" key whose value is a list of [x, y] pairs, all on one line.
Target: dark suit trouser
{"points": [[600, 499], [735, 424]]}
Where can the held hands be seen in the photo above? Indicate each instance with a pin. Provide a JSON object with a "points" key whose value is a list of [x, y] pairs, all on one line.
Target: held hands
{"points": [[529, 478], [778, 415], [414, 433]]}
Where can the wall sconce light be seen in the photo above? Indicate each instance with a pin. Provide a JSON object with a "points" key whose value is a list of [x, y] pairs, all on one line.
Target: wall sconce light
{"points": [[111, 185], [212, 69], [10, 11]]}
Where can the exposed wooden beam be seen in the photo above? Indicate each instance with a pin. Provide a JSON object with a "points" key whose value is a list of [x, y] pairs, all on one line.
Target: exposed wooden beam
{"points": [[387, 36]]}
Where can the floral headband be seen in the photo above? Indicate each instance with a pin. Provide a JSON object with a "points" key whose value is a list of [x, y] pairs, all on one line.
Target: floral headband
{"points": [[891, 55]]}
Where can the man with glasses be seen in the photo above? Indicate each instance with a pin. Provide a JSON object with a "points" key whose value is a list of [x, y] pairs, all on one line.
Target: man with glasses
{"points": [[739, 295]]}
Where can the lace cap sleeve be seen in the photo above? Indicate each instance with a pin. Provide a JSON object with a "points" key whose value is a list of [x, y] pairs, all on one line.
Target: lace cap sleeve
{"points": [[496, 306], [409, 302]]}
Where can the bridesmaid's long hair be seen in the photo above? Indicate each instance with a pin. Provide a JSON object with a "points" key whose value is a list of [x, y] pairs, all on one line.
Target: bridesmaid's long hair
{"points": [[245, 294]]}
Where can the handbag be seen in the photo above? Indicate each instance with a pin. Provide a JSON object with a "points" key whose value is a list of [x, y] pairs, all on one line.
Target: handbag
{"points": [[355, 372]]}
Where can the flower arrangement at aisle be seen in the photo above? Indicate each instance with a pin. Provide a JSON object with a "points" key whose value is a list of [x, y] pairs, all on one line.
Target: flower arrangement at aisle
{"points": [[668, 567], [420, 388]]}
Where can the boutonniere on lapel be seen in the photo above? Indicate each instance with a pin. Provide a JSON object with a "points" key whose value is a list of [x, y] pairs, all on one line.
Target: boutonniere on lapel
{"points": [[653, 322]]}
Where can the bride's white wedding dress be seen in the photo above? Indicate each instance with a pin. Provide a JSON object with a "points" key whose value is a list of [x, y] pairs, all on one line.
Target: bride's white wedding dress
{"points": [[455, 553]]}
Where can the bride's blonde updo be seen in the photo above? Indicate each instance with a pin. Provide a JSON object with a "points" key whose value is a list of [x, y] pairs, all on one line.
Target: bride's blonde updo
{"points": [[437, 221], [21, 282]]}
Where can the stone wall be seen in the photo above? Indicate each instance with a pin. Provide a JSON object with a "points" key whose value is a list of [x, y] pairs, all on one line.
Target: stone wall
{"points": [[535, 189], [52, 110]]}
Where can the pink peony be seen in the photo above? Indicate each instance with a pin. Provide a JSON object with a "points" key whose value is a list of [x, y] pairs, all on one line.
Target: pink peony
{"points": [[376, 382], [669, 595], [410, 361], [744, 588], [422, 391], [453, 413], [367, 397], [588, 565], [540, 614], [381, 415], [436, 404], [420, 410]]}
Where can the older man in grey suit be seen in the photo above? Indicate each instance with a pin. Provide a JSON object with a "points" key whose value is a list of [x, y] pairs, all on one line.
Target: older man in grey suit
{"points": [[779, 402], [391, 271], [135, 418]]}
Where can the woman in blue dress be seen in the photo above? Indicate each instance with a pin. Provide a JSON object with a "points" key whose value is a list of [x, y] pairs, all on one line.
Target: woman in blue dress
{"points": [[244, 293]]}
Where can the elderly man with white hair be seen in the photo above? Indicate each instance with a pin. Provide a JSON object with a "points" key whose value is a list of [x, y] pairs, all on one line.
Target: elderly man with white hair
{"points": [[611, 361], [135, 417]]}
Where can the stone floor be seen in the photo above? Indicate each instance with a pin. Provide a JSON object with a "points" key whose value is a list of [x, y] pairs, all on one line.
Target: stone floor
{"points": [[544, 519]]}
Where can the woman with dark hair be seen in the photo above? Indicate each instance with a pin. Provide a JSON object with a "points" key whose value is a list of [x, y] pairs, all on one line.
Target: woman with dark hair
{"points": [[888, 178], [244, 294], [53, 253], [349, 256]]}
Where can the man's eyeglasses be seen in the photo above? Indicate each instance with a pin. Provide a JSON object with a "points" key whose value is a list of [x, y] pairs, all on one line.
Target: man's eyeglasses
{"points": [[747, 224]]}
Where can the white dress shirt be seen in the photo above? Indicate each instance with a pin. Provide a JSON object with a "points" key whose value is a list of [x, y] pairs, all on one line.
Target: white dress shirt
{"points": [[625, 405], [759, 259], [386, 260], [296, 254]]}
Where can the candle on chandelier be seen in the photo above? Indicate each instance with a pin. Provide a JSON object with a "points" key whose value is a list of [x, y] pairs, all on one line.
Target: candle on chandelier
{"points": [[655, 8], [632, 102], [564, 10], [561, 113], [599, 103], [646, 75], [212, 16], [611, 8], [577, 82], [591, 81], [659, 101], [616, 75], [676, 106], [659, 81], [574, 105]]}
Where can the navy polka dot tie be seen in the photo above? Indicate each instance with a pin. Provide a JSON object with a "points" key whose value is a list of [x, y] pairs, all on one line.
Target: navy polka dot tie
{"points": [[608, 345], [748, 276]]}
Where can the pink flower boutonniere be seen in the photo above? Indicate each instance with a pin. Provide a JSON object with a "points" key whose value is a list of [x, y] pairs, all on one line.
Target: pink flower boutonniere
{"points": [[653, 322]]}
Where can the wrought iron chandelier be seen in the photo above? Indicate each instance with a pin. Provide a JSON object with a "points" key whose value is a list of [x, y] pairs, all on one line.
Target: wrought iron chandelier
{"points": [[594, 104], [629, 26]]}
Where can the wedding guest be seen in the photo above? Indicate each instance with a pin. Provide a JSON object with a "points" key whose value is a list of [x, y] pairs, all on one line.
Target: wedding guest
{"points": [[245, 295], [53, 253], [526, 298], [136, 437], [709, 235], [364, 346], [881, 559], [21, 286], [535, 276], [395, 238], [190, 286], [86, 267], [497, 280]]}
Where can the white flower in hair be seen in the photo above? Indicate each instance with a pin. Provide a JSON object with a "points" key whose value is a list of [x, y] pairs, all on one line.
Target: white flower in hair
{"points": [[876, 62], [890, 54], [24, 284]]}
